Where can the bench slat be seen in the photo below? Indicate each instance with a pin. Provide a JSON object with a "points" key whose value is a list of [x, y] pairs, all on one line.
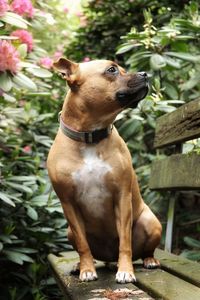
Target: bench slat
{"points": [[182, 267], [178, 126], [167, 286], [73, 289], [179, 171], [160, 283]]}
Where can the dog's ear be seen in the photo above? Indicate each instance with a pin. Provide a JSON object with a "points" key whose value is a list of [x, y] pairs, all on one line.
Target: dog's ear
{"points": [[68, 69]]}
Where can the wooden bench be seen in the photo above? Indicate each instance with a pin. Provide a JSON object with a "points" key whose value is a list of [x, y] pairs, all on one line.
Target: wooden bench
{"points": [[178, 278], [177, 172]]}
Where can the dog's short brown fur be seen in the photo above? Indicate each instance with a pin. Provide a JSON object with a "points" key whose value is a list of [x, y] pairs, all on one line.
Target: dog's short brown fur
{"points": [[96, 184]]}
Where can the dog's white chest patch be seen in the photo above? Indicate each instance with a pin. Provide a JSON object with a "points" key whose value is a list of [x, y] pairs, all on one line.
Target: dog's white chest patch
{"points": [[90, 182]]}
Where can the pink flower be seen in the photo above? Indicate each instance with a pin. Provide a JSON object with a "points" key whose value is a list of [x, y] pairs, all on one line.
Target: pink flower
{"points": [[25, 37], [3, 7], [9, 57], [57, 55], [23, 7], [46, 62], [66, 9], [79, 14], [27, 149], [86, 59]]}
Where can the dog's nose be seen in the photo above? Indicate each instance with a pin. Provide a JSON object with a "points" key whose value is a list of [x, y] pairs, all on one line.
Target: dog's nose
{"points": [[143, 74]]}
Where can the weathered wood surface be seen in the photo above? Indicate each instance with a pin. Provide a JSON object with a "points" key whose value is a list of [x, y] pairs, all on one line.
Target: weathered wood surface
{"points": [[179, 171], [103, 289], [183, 268], [166, 286], [178, 126], [160, 283]]}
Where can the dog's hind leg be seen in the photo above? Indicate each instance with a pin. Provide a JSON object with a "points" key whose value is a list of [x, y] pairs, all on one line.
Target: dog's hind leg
{"points": [[146, 236]]}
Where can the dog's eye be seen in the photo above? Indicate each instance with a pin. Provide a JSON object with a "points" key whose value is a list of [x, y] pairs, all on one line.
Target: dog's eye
{"points": [[113, 70]]}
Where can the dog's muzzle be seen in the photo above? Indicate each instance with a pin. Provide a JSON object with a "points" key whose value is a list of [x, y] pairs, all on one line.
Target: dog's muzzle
{"points": [[137, 89]]}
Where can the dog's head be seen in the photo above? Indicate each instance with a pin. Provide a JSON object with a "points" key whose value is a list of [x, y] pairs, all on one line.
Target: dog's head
{"points": [[103, 85]]}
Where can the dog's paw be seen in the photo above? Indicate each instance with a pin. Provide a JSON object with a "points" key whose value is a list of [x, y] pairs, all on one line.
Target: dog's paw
{"points": [[125, 277], [88, 276], [151, 263]]}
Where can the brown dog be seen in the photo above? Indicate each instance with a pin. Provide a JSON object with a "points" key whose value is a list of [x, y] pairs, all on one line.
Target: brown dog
{"points": [[91, 171]]}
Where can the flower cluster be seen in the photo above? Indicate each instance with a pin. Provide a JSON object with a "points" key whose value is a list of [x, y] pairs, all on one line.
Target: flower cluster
{"points": [[25, 37], [9, 57], [3, 7], [23, 7], [46, 62]]}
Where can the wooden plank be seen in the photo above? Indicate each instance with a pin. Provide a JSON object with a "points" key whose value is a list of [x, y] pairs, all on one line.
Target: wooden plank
{"points": [[179, 171], [182, 267], [105, 285], [178, 126], [166, 286]]}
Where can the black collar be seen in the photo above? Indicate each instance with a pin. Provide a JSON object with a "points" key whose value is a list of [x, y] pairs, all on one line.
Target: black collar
{"points": [[88, 137]]}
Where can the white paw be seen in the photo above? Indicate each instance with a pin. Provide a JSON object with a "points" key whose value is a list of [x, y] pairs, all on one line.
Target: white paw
{"points": [[125, 277], [88, 276]]}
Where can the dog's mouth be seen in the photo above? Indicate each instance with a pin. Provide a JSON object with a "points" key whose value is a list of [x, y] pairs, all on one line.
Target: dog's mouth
{"points": [[131, 96]]}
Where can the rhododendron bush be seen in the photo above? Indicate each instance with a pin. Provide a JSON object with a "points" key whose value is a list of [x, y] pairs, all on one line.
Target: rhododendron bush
{"points": [[31, 218]]}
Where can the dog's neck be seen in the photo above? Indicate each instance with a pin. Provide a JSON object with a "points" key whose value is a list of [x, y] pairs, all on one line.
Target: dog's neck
{"points": [[76, 116]]}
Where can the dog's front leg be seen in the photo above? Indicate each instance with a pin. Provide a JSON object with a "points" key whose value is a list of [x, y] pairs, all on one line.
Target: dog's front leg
{"points": [[79, 241], [123, 212]]}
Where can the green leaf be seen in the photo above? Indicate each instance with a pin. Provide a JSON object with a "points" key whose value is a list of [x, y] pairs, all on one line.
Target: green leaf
{"points": [[192, 242], [129, 128], [32, 213], [125, 48], [22, 49], [172, 62], [17, 257], [192, 82], [25, 250], [24, 82], [22, 178], [39, 72], [171, 91], [5, 238], [25, 64], [46, 94], [184, 56], [40, 200], [5, 82], [1, 246], [9, 98], [20, 187], [157, 62], [15, 20], [191, 254], [14, 257], [4, 197]]}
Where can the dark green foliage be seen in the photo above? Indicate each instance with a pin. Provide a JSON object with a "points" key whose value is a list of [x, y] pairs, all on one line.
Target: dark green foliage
{"points": [[32, 222], [108, 21]]}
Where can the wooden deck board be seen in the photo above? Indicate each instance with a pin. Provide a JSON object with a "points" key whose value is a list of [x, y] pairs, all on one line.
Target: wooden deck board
{"points": [[105, 285], [179, 172], [184, 268], [178, 126], [178, 279]]}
